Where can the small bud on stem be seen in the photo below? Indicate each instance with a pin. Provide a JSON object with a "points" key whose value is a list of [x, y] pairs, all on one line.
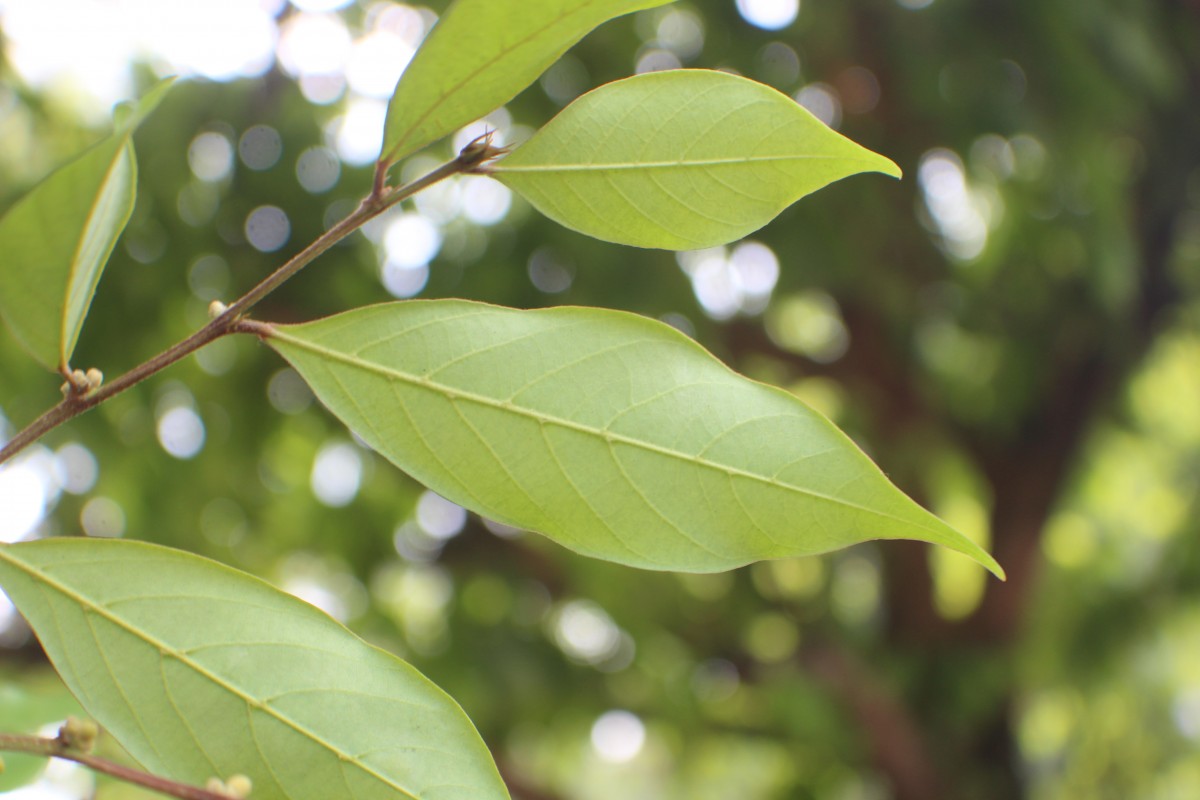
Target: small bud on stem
{"points": [[79, 734]]}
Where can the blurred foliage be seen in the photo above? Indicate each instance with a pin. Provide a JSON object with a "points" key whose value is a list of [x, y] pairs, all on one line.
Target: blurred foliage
{"points": [[1011, 332]]}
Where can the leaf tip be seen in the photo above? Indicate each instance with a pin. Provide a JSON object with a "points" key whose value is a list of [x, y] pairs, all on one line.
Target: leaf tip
{"points": [[993, 566], [982, 557], [960, 543], [889, 168]]}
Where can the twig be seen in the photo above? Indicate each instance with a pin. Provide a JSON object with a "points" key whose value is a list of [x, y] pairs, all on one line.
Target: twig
{"points": [[57, 748]]}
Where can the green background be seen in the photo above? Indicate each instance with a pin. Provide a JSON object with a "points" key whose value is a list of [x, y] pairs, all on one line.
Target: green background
{"points": [[1042, 393]]}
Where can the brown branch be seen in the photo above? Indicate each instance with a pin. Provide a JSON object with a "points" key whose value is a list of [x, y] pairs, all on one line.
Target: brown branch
{"points": [[58, 748], [896, 742]]}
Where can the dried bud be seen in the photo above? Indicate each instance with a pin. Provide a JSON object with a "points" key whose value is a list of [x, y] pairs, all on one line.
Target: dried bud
{"points": [[94, 378], [474, 158]]}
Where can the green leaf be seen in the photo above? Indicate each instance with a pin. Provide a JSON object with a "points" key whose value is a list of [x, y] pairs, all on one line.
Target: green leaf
{"points": [[681, 159], [57, 239], [481, 54], [199, 670], [613, 434]]}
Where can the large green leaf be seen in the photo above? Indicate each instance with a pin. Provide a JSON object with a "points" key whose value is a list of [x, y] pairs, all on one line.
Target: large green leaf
{"points": [[612, 434], [681, 159], [199, 670], [55, 241], [480, 55]]}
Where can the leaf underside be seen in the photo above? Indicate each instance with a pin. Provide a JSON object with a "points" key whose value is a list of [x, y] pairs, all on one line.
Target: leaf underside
{"points": [[480, 55], [610, 433], [57, 239], [681, 159], [199, 670]]}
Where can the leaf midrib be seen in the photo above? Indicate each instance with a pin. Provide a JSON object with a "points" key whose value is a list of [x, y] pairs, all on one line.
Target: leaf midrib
{"points": [[678, 164], [608, 436], [165, 649]]}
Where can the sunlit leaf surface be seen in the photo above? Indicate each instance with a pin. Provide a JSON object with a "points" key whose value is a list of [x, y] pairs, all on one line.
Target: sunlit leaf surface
{"points": [[480, 55], [612, 434], [681, 159], [55, 241], [199, 671]]}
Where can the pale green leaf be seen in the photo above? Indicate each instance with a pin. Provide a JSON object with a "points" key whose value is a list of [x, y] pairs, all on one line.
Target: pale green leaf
{"points": [[56, 240], [612, 434], [199, 670], [681, 159], [481, 54]]}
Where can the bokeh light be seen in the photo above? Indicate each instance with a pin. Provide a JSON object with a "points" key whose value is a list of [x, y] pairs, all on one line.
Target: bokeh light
{"points": [[681, 30], [336, 474], [210, 156], [358, 132], [439, 517], [728, 282], [314, 44], [267, 228], [324, 583], [549, 271], [24, 498], [958, 213], [565, 80], [320, 5], [318, 169], [403, 281], [288, 392], [416, 597], [86, 48], [484, 201], [618, 736], [181, 432], [76, 468], [411, 240], [779, 65], [103, 517], [770, 15], [260, 147], [588, 635], [376, 63], [822, 102], [809, 323], [656, 59]]}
